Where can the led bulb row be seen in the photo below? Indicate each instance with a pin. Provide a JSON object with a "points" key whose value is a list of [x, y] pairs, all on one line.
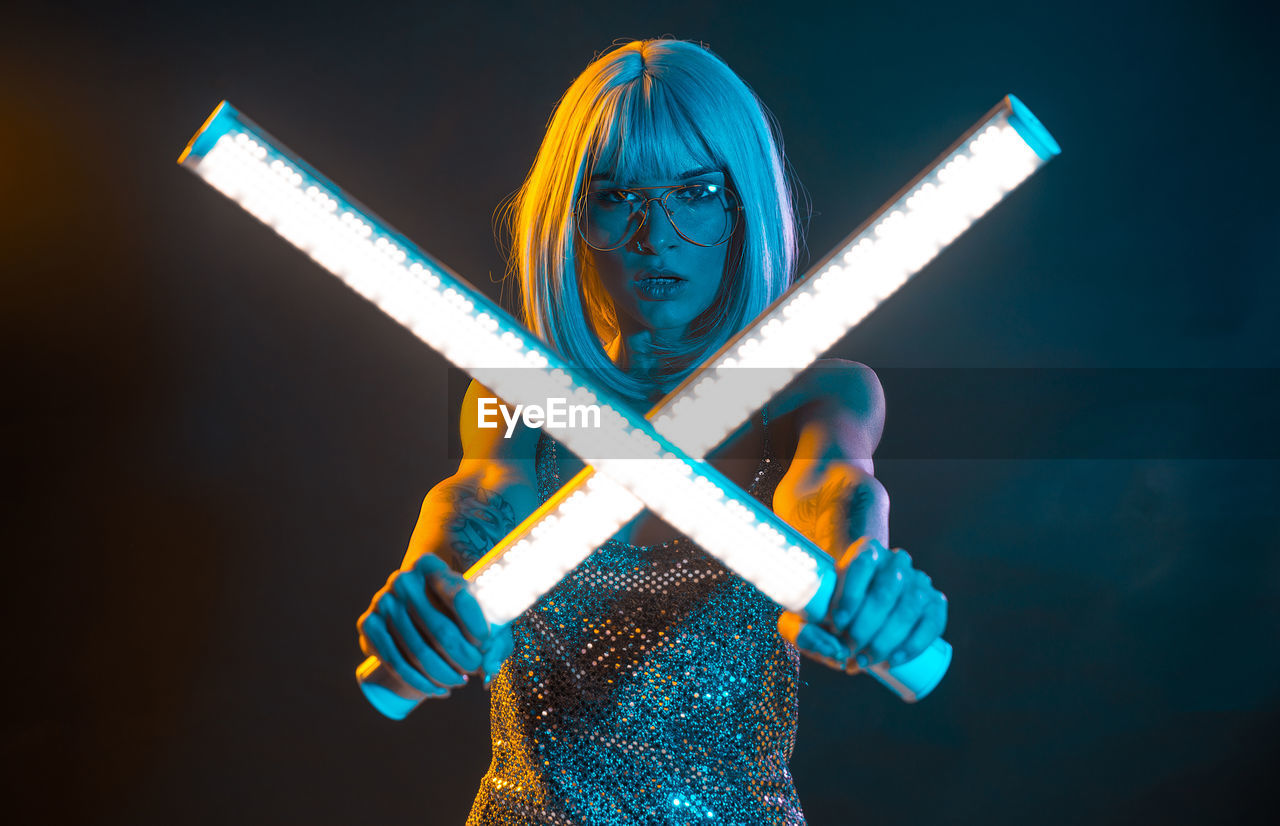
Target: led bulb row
{"points": [[530, 564], [440, 313], [909, 233], [345, 244]]}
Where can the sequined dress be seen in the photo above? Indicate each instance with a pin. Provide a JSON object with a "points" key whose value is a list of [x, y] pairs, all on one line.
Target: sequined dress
{"points": [[649, 687]]}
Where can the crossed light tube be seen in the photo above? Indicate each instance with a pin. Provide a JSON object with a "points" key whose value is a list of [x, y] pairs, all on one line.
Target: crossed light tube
{"points": [[634, 462]]}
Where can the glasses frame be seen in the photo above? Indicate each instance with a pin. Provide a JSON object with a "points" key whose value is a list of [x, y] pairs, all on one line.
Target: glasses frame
{"points": [[643, 209]]}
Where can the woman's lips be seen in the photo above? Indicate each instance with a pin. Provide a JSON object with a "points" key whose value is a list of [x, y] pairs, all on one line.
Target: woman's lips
{"points": [[658, 286], [659, 274]]}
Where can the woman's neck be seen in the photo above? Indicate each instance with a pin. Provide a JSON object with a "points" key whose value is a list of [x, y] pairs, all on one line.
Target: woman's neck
{"points": [[633, 351], [634, 356]]}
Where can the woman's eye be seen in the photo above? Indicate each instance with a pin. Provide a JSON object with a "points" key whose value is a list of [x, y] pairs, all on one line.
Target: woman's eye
{"points": [[697, 192], [614, 196]]}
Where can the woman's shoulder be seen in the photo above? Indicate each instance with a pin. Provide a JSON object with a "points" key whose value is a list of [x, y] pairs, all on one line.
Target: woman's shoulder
{"points": [[849, 384], [491, 432], [832, 382], [827, 394]]}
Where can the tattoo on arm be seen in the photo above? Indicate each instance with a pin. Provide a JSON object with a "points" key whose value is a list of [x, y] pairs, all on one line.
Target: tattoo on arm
{"points": [[827, 515], [477, 518]]}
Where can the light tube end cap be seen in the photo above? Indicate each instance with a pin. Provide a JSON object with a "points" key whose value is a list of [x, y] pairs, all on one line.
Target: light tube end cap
{"points": [[912, 681], [1031, 130], [214, 127], [386, 701]]}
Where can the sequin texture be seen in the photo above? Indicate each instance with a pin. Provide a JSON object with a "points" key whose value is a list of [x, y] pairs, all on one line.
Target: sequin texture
{"points": [[649, 687]]}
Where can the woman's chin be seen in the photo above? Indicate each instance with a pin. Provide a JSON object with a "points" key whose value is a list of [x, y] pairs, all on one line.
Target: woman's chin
{"points": [[664, 324]]}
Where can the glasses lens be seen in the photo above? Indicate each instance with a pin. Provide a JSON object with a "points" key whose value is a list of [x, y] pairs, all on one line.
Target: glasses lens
{"points": [[705, 214]]}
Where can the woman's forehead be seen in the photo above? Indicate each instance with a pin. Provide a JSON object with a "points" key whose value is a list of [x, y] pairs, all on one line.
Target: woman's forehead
{"points": [[652, 157]]}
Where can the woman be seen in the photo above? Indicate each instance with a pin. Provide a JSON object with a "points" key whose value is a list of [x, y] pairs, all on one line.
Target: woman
{"points": [[652, 684]]}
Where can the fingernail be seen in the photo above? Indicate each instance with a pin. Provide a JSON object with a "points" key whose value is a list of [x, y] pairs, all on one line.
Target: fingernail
{"points": [[488, 678], [834, 650]]}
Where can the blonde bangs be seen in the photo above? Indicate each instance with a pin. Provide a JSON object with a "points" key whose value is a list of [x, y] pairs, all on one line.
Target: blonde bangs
{"points": [[644, 133]]}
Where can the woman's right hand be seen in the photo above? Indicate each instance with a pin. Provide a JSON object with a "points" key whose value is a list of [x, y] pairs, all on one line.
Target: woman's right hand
{"points": [[426, 627]]}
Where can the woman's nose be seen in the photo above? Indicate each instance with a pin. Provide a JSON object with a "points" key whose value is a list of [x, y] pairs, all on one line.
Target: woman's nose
{"points": [[657, 231]]}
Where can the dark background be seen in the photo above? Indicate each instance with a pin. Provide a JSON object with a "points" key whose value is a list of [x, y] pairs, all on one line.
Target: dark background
{"points": [[218, 452]]}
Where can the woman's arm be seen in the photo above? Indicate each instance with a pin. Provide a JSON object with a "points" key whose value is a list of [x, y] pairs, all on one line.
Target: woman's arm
{"points": [[493, 490], [882, 608], [424, 625], [829, 493]]}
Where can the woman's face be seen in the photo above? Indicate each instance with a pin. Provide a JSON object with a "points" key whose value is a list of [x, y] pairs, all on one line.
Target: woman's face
{"points": [[659, 281]]}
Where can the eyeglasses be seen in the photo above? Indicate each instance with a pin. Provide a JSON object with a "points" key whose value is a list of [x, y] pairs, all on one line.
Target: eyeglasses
{"points": [[702, 214]]}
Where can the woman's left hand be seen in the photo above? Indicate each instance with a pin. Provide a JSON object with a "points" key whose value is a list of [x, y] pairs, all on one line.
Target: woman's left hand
{"points": [[882, 609]]}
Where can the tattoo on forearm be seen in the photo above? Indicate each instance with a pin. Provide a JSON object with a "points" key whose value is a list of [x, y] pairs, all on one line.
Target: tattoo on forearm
{"points": [[480, 517], [826, 516]]}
